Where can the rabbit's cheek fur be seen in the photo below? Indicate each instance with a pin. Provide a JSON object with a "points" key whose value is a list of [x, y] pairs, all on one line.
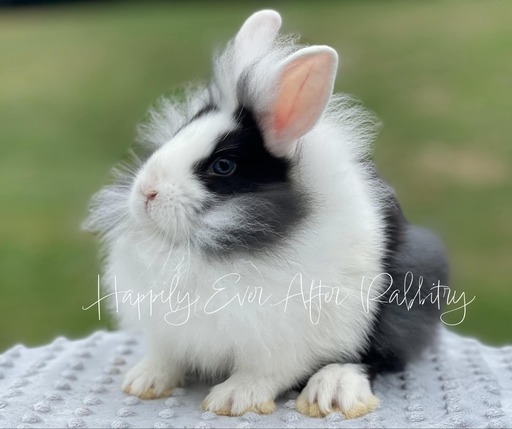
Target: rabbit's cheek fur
{"points": [[251, 223], [165, 194], [257, 206], [173, 209]]}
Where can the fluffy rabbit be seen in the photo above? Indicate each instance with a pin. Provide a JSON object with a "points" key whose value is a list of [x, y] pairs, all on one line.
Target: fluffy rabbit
{"points": [[256, 244]]}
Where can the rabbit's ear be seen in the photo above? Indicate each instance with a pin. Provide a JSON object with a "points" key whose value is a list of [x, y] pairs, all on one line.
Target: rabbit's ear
{"points": [[256, 36], [303, 86]]}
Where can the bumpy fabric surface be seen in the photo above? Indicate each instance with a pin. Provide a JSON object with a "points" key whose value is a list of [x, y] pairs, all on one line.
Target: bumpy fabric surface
{"points": [[75, 384]]}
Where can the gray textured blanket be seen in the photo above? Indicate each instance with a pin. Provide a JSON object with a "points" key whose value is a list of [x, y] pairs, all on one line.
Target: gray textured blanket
{"points": [[459, 383]]}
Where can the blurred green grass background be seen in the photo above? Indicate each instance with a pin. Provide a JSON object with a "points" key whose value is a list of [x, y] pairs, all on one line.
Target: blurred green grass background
{"points": [[75, 80]]}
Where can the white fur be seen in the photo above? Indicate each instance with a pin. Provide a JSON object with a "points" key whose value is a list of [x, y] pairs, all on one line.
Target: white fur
{"points": [[264, 348], [168, 172], [336, 387], [257, 33]]}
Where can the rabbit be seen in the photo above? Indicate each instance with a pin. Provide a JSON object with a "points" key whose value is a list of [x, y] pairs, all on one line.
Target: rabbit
{"points": [[254, 244]]}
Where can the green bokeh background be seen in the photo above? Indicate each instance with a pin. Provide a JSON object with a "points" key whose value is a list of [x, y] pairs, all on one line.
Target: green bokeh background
{"points": [[75, 80]]}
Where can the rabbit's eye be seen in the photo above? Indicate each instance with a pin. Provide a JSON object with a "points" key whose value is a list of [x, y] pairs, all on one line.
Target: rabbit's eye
{"points": [[223, 167]]}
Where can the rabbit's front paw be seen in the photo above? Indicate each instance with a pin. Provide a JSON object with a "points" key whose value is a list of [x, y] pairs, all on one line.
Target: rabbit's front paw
{"points": [[235, 398], [338, 388], [152, 378]]}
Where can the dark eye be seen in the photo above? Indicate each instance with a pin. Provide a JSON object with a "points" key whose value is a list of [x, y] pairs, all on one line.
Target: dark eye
{"points": [[224, 166]]}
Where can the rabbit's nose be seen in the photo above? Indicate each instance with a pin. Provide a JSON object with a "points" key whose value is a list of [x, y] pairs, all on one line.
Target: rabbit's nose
{"points": [[151, 195]]}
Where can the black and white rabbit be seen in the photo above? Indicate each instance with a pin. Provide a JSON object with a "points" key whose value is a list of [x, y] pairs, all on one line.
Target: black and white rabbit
{"points": [[262, 240]]}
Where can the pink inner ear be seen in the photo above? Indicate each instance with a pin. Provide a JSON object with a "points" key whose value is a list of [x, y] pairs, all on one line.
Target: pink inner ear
{"points": [[304, 90], [290, 94]]}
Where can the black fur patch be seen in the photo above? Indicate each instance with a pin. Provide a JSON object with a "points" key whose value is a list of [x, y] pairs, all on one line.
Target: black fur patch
{"points": [[256, 167], [259, 187], [400, 334]]}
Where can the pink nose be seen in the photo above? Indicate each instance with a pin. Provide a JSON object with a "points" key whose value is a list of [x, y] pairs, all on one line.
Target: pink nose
{"points": [[151, 195]]}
